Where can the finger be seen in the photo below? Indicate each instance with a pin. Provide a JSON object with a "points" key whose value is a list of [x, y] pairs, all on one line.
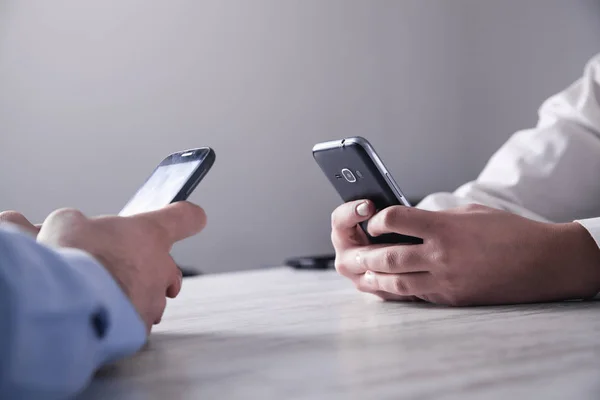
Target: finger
{"points": [[391, 259], [161, 305], [403, 220], [175, 287], [65, 216], [179, 220], [64, 219], [171, 276], [412, 284], [356, 279], [394, 297], [349, 263], [349, 238], [19, 219], [344, 221]]}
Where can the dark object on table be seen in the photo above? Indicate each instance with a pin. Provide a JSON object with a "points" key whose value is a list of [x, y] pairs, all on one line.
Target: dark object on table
{"points": [[189, 272], [311, 262]]}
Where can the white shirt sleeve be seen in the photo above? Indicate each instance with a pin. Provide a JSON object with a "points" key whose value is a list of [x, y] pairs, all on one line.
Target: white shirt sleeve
{"points": [[593, 227], [550, 172]]}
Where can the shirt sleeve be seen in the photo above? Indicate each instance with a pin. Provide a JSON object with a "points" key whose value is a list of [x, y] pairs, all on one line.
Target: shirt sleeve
{"points": [[548, 173], [62, 316], [593, 227]]}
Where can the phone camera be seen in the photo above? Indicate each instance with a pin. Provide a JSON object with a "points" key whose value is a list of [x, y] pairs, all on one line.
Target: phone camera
{"points": [[348, 175]]}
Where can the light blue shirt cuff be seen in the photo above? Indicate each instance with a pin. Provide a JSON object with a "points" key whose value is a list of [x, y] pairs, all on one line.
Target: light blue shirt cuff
{"points": [[62, 316], [118, 324]]}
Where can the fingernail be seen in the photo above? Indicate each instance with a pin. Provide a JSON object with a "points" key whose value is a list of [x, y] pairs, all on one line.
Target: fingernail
{"points": [[363, 209], [369, 277]]}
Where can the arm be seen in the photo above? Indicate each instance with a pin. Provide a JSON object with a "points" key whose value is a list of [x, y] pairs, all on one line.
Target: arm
{"points": [[551, 172], [62, 316], [478, 255]]}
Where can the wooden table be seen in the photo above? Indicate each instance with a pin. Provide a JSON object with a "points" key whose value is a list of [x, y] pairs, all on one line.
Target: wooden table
{"points": [[284, 334]]}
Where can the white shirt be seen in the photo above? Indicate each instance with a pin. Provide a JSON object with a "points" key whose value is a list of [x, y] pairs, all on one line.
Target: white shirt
{"points": [[548, 173]]}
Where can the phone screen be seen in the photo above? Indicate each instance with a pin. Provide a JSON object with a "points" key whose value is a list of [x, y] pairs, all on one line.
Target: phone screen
{"points": [[161, 188]]}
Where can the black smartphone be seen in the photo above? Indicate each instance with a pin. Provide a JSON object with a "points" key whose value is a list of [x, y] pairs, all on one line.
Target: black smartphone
{"points": [[357, 172], [174, 179]]}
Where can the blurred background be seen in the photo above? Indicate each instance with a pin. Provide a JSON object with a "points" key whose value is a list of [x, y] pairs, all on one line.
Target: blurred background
{"points": [[94, 94]]}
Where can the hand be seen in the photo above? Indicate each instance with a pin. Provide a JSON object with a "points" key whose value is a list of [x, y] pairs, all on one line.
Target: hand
{"points": [[470, 256], [19, 219], [347, 236], [135, 250]]}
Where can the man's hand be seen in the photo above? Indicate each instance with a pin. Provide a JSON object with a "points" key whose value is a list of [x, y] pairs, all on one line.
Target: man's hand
{"points": [[135, 250], [470, 256], [19, 219]]}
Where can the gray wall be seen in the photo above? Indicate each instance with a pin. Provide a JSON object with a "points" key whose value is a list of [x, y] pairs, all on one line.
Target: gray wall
{"points": [[93, 94]]}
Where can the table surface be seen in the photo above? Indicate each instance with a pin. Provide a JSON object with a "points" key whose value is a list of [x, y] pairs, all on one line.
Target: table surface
{"points": [[286, 334]]}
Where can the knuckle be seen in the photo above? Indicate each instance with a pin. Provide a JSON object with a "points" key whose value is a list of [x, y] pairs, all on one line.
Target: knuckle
{"points": [[409, 257], [67, 213], [399, 286], [70, 217], [441, 258], [389, 260], [340, 267], [389, 217]]}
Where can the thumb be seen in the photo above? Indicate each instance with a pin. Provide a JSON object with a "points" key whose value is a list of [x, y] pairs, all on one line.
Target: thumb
{"points": [[178, 220], [403, 220]]}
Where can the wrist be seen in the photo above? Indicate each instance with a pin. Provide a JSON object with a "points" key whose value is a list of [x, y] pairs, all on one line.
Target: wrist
{"points": [[578, 256]]}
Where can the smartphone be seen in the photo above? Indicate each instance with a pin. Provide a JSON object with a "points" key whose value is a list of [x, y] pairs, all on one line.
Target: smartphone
{"points": [[357, 172], [174, 179]]}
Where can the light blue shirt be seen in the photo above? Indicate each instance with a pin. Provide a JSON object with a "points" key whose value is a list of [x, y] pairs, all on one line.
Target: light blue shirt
{"points": [[62, 316]]}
